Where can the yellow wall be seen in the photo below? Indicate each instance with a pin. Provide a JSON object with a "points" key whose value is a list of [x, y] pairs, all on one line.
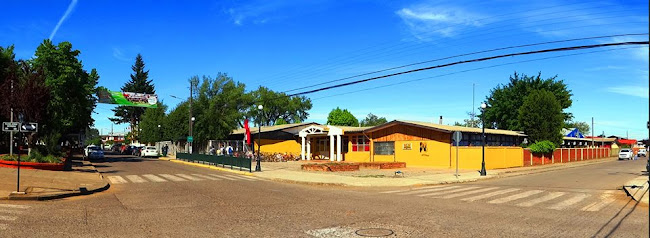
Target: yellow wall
{"points": [[436, 155], [495, 157], [280, 146]]}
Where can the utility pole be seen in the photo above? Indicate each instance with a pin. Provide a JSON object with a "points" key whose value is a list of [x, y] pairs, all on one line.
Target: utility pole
{"points": [[592, 132], [191, 122], [11, 119]]}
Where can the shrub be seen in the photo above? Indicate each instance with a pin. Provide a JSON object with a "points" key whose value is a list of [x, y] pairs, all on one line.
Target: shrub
{"points": [[544, 147]]}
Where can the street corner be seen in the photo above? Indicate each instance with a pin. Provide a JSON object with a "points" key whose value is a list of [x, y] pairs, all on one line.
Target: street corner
{"points": [[637, 189], [43, 194]]}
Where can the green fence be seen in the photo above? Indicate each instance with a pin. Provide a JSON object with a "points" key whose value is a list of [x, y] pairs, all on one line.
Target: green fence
{"points": [[223, 161]]}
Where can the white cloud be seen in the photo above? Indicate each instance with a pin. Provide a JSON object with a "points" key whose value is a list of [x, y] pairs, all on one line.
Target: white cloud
{"points": [[65, 16], [425, 21], [636, 91], [262, 11], [118, 54]]}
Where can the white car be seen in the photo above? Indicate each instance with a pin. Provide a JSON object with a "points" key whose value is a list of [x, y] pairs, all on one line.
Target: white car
{"points": [[625, 154], [89, 148], [149, 151], [642, 152]]}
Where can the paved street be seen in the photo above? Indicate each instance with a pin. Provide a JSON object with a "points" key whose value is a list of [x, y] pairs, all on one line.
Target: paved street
{"points": [[154, 198]]}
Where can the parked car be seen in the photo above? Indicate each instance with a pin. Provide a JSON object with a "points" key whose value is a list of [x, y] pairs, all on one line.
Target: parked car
{"points": [[149, 151], [642, 152], [96, 153], [625, 154], [137, 150], [89, 148]]}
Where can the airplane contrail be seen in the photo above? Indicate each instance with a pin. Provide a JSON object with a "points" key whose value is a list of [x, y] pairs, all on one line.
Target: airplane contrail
{"points": [[65, 15]]}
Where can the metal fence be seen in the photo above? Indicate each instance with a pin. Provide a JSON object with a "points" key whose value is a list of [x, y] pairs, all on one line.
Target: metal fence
{"points": [[224, 161]]}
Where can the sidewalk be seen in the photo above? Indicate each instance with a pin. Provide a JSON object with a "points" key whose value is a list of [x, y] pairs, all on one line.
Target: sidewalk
{"points": [[292, 173], [640, 192], [43, 184]]}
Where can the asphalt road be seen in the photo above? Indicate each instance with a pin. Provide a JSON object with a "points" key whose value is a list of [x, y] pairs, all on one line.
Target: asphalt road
{"points": [[153, 198]]}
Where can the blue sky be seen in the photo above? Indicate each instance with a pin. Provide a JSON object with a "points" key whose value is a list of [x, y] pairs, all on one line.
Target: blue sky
{"points": [[288, 44]]}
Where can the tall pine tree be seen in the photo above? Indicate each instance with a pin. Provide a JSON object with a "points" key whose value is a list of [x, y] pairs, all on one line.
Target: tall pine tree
{"points": [[139, 83]]}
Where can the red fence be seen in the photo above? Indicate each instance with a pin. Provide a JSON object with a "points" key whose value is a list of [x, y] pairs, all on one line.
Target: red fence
{"points": [[565, 155]]}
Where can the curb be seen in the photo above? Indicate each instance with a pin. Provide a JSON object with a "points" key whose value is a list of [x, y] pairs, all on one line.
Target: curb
{"points": [[207, 166], [74, 193]]}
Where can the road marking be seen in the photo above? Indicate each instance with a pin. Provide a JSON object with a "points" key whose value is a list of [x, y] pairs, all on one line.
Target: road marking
{"points": [[136, 179], [172, 177], [222, 177], [7, 218], [606, 199], [469, 192], [240, 177], [205, 177], [116, 180], [412, 189], [189, 177], [429, 190], [569, 202], [14, 206], [548, 197], [515, 197], [489, 195], [154, 178], [447, 191]]}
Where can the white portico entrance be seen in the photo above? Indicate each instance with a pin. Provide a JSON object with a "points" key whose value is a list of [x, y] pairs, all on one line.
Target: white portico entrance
{"points": [[334, 133]]}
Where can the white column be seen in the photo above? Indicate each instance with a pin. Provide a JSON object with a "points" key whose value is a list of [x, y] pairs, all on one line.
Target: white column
{"points": [[338, 148], [302, 149], [308, 148], [332, 148]]}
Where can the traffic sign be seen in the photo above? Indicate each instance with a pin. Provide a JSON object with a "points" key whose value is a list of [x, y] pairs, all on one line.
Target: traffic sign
{"points": [[29, 127], [190, 139], [457, 137], [10, 126]]}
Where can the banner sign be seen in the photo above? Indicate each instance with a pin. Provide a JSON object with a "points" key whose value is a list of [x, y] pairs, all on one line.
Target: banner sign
{"points": [[127, 98]]}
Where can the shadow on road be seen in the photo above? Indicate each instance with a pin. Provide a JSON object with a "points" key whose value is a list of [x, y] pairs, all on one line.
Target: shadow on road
{"points": [[618, 224]]}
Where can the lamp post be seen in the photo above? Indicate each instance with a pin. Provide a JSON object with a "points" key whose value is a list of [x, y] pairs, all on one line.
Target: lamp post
{"points": [[191, 125], [483, 106], [258, 166]]}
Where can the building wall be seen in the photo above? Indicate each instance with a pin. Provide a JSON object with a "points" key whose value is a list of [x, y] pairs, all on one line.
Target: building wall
{"points": [[495, 157], [437, 146], [279, 146]]}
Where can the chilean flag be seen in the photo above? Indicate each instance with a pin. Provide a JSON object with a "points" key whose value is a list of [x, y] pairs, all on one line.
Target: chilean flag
{"points": [[248, 132]]}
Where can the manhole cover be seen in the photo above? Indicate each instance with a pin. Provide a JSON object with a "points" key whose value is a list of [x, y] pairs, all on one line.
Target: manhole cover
{"points": [[374, 232]]}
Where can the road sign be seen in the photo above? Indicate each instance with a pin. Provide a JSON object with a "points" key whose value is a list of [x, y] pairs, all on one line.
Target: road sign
{"points": [[10, 126], [457, 137], [29, 127], [190, 139]]}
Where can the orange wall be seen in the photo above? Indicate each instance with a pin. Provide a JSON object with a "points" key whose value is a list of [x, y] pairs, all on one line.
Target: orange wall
{"points": [[495, 157]]}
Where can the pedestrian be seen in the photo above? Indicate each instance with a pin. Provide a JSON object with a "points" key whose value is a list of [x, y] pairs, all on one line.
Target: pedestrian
{"points": [[230, 150], [212, 150]]}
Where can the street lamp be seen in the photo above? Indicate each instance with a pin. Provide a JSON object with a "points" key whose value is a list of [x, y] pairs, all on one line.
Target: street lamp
{"points": [[483, 106], [160, 133], [191, 125], [258, 166]]}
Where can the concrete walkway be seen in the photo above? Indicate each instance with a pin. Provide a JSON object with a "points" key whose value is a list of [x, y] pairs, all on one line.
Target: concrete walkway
{"points": [[44, 184], [291, 172]]}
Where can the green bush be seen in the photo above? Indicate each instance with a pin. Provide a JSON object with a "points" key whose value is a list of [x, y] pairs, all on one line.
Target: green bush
{"points": [[36, 157], [543, 147]]}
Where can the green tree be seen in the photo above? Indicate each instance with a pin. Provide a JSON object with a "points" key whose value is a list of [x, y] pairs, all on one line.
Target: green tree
{"points": [[177, 123], [582, 126], [92, 137], [139, 83], [373, 120], [278, 105], [280, 121], [338, 117], [504, 101], [152, 117], [472, 121], [71, 91], [541, 117]]}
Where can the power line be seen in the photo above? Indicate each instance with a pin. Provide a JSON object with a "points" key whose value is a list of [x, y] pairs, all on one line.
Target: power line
{"points": [[471, 61], [465, 54]]}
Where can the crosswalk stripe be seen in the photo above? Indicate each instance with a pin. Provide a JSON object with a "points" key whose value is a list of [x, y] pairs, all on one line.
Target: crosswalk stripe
{"points": [[240, 177], [429, 190], [411, 189], [222, 177], [489, 195], [569, 202], [154, 178], [172, 177], [548, 197], [469, 192], [14, 206], [189, 177], [116, 179], [439, 192], [515, 197], [205, 177], [135, 179], [605, 199], [7, 218]]}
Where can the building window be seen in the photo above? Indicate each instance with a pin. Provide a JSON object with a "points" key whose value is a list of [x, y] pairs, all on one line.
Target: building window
{"points": [[385, 148], [360, 143]]}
